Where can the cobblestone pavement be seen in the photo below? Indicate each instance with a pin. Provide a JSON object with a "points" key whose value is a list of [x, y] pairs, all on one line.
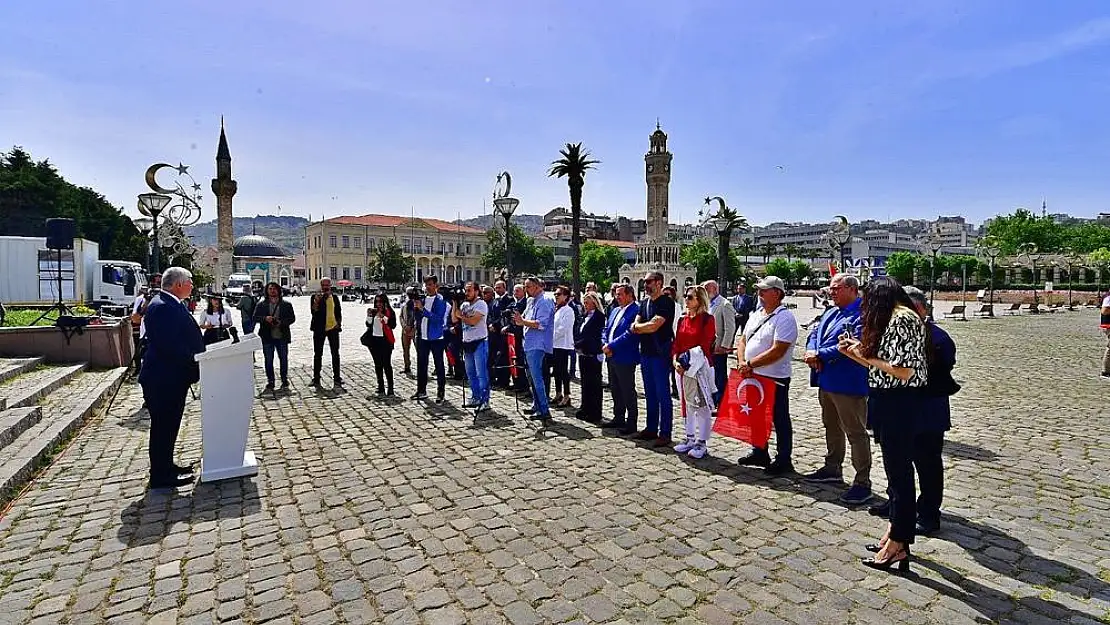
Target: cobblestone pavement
{"points": [[386, 512]]}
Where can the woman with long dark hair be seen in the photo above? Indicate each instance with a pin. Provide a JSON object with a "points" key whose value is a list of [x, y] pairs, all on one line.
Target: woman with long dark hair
{"points": [[216, 323], [380, 324], [274, 317], [893, 346]]}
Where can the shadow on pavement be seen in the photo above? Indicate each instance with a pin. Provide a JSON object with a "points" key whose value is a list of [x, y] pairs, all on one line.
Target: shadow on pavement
{"points": [[149, 519], [965, 451]]}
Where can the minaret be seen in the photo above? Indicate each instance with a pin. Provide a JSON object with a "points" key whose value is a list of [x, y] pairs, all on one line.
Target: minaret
{"points": [[658, 176], [224, 188]]}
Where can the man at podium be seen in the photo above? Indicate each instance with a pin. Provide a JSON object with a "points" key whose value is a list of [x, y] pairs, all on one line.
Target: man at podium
{"points": [[169, 368]]}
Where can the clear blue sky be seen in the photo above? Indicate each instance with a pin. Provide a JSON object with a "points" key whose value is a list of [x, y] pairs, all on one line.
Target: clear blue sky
{"points": [[872, 109]]}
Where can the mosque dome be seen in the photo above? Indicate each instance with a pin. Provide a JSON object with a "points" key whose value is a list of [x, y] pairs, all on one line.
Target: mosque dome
{"points": [[256, 245]]}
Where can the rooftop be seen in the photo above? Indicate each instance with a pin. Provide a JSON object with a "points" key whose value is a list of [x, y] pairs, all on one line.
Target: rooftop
{"points": [[394, 221]]}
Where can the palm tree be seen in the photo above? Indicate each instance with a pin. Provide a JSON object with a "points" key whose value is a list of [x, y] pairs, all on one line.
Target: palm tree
{"points": [[791, 251], [768, 250], [573, 164]]}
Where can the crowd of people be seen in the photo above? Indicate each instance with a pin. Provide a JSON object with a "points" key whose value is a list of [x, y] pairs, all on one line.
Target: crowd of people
{"points": [[878, 361]]}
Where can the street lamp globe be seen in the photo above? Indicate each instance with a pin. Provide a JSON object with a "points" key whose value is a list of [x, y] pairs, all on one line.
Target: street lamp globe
{"points": [[150, 204], [506, 206], [144, 224], [722, 224]]}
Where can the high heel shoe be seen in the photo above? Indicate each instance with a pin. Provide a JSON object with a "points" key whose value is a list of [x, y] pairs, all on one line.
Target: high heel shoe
{"points": [[903, 562], [873, 547]]}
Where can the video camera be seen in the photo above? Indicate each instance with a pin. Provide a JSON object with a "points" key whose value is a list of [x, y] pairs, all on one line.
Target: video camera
{"points": [[455, 294]]}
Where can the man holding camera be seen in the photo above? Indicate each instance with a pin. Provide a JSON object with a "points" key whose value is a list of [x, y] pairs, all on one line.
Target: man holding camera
{"points": [[538, 321], [471, 316], [430, 314], [408, 326], [326, 324]]}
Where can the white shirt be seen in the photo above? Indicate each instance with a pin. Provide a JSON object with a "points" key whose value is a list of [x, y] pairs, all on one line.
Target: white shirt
{"points": [[480, 330], [217, 319], [780, 325], [429, 301], [564, 328], [135, 310], [1106, 301], [616, 322], [374, 321]]}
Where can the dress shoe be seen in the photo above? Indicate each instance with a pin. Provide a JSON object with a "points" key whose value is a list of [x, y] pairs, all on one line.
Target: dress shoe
{"points": [[779, 467], [880, 509], [589, 419], [662, 441], [631, 432], [647, 435], [183, 470], [174, 482], [614, 424], [925, 529], [757, 458]]}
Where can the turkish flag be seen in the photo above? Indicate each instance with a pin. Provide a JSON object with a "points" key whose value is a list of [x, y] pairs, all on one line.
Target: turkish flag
{"points": [[511, 341], [747, 409], [832, 269]]}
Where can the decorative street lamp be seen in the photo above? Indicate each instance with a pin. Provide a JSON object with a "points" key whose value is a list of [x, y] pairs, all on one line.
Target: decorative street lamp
{"points": [[505, 205], [933, 244], [1029, 251], [838, 236], [1072, 260], [989, 246], [724, 221], [145, 224], [151, 205]]}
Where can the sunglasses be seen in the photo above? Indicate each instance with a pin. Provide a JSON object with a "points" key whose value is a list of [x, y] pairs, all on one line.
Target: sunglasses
{"points": [[691, 296]]}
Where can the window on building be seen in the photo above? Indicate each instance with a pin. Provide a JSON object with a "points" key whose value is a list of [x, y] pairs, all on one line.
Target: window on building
{"points": [[331, 241], [428, 245], [358, 243], [358, 273], [468, 252], [346, 273], [418, 246], [369, 244], [478, 248], [458, 249], [405, 245], [346, 241], [469, 275], [442, 247], [333, 272], [317, 241]]}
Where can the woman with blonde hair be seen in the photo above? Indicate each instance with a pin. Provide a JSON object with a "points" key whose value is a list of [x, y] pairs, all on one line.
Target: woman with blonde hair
{"points": [[692, 354], [588, 345]]}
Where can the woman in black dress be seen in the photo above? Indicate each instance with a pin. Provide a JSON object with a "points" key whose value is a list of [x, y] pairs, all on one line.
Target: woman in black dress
{"points": [[379, 338], [588, 346]]}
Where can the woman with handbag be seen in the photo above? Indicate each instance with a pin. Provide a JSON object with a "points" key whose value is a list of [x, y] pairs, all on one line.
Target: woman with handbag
{"points": [[216, 323], [379, 339], [692, 357]]}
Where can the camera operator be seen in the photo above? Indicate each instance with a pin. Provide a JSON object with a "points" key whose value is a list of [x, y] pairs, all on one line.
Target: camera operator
{"points": [[499, 346], [430, 314], [471, 315], [408, 326]]}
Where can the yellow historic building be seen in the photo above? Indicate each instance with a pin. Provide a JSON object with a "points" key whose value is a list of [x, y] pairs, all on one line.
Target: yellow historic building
{"points": [[342, 248]]}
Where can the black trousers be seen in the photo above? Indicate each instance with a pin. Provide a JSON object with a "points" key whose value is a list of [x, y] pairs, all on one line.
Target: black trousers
{"points": [[435, 349], [927, 449], [318, 353], [498, 360], [381, 351], [165, 401], [591, 385], [780, 419], [560, 364], [622, 386], [895, 415], [519, 382]]}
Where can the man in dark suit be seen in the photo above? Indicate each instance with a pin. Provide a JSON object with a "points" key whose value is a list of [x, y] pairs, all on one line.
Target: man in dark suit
{"points": [[169, 368], [499, 344], [622, 351], [326, 324]]}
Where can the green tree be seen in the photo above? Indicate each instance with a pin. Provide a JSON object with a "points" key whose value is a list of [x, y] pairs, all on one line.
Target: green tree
{"points": [[791, 251], [390, 265], [767, 250], [600, 264], [1024, 226], [1100, 259], [779, 267], [528, 258], [900, 266], [702, 254], [573, 164], [31, 192], [800, 270]]}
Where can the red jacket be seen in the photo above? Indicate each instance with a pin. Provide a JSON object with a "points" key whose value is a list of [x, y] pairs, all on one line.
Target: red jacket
{"points": [[697, 332]]}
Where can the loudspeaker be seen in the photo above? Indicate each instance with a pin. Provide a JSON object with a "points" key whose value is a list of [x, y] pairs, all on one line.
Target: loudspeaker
{"points": [[60, 233]]}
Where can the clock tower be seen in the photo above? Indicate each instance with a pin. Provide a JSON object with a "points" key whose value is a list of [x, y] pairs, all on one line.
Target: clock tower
{"points": [[658, 175]]}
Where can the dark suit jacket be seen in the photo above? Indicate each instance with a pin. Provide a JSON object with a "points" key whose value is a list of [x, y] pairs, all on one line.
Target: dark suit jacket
{"points": [[625, 344], [936, 413], [285, 316], [173, 338], [589, 336], [320, 315]]}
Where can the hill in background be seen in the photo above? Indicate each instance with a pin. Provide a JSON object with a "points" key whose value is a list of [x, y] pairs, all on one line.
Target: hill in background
{"points": [[530, 224], [286, 230]]}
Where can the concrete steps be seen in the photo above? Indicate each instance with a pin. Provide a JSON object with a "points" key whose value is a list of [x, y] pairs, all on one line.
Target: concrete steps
{"points": [[45, 406], [11, 367]]}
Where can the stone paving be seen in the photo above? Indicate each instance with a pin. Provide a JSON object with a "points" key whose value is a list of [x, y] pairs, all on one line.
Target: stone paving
{"points": [[368, 511]]}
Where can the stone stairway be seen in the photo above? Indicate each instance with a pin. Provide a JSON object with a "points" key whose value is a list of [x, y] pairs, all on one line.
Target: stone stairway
{"points": [[41, 406]]}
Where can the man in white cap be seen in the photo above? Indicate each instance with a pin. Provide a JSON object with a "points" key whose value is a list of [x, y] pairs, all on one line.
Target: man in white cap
{"points": [[765, 348]]}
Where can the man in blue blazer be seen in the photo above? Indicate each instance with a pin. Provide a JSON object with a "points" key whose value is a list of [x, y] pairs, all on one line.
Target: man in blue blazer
{"points": [[430, 313], [168, 370], [622, 351]]}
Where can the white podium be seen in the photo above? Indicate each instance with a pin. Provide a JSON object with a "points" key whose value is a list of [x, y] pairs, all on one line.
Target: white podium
{"points": [[227, 395]]}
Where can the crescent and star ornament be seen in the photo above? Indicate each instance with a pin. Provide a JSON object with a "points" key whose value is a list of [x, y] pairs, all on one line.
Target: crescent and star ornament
{"points": [[740, 391], [151, 182]]}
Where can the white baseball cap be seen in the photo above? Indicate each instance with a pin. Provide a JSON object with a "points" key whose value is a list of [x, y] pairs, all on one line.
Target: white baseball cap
{"points": [[771, 282]]}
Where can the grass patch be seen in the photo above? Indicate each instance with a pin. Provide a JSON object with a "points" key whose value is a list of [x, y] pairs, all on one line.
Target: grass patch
{"points": [[26, 317]]}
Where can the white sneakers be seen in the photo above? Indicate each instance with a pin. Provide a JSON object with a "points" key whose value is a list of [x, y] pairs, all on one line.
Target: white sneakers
{"points": [[692, 448]]}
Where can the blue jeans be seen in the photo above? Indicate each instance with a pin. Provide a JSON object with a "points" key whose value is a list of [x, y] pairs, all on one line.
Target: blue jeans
{"points": [[425, 348], [477, 371], [282, 350], [535, 358], [656, 371], [720, 377]]}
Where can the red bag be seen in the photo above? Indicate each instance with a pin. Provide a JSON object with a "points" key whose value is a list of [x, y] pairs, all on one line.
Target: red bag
{"points": [[388, 333], [747, 409]]}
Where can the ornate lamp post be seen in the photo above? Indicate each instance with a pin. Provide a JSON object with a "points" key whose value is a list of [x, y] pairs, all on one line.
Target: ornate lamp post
{"points": [[505, 205], [151, 205], [723, 221], [838, 236], [145, 225], [933, 245], [989, 247], [1072, 260], [1029, 251]]}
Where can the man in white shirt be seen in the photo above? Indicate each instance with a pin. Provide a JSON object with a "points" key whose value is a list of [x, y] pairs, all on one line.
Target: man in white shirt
{"points": [[765, 348], [475, 348]]}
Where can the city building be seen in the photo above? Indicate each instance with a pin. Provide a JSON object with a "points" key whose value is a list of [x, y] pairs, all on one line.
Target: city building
{"points": [[560, 248], [341, 248], [954, 232], [557, 225], [658, 252]]}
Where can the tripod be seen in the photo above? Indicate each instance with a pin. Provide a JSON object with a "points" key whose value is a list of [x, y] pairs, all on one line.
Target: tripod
{"points": [[59, 305]]}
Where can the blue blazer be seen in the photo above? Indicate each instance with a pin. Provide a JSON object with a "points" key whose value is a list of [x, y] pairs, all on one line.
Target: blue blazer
{"points": [[839, 374], [625, 344], [436, 317], [936, 413], [173, 338]]}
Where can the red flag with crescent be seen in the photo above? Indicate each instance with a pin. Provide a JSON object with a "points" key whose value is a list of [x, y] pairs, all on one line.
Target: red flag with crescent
{"points": [[512, 354], [747, 409]]}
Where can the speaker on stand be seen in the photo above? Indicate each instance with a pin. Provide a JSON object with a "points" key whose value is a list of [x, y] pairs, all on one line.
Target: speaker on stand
{"points": [[59, 236]]}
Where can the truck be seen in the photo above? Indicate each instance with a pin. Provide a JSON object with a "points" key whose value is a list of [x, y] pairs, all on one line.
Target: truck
{"points": [[234, 287], [29, 274]]}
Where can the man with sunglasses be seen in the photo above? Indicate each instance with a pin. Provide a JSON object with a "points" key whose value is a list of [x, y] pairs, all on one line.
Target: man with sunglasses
{"points": [[326, 324], [655, 327]]}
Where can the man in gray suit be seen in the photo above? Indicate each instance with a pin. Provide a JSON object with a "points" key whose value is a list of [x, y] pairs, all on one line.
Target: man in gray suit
{"points": [[724, 316]]}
